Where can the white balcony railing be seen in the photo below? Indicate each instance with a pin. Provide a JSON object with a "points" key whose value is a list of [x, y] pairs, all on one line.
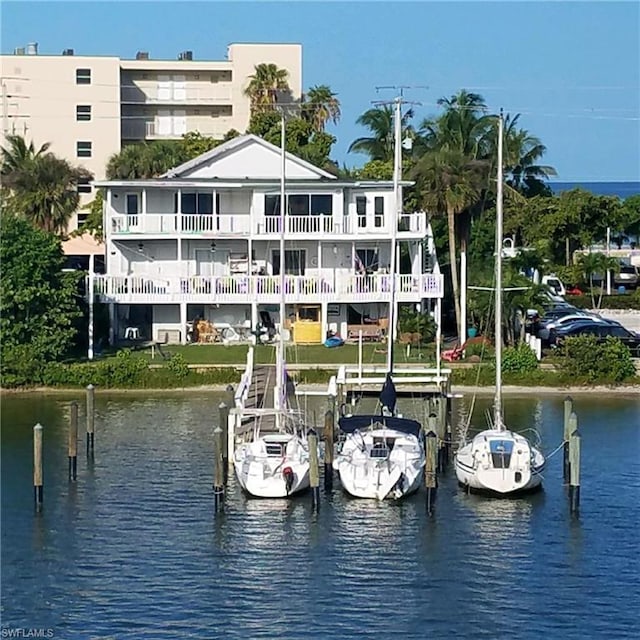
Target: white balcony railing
{"points": [[176, 94], [242, 223], [328, 286]]}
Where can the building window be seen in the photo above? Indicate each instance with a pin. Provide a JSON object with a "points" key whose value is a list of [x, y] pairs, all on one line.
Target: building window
{"points": [[83, 149], [361, 210], [367, 260], [294, 262], [272, 205], [378, 211], [83, 112], [197, 203], [84, 186], [82, 218], [83, 76]]}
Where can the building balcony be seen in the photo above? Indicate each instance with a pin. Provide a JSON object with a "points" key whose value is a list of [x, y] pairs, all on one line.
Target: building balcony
{"points": [[327, 286], [243, 223], [177, 94]]}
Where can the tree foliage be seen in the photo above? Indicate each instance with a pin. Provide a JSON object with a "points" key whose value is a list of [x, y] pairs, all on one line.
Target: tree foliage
{"points": [[39, 302]]}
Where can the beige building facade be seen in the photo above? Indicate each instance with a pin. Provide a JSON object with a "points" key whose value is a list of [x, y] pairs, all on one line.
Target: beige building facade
{"points": [[89, 107]]}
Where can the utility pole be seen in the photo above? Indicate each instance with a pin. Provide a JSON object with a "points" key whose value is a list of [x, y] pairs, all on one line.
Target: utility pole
{"points": [[397, 102]]}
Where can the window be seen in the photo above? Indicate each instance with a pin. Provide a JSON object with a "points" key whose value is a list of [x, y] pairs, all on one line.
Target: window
{"points": [[378, 204], [302, 204], [83, 112], [83, 149], [272, 205], [82, 218], [367, 259], [197, 203], [361, 210], [83, 76], [294, 262], [298, 205], [132, 204], [84, 186], [321, 205]]}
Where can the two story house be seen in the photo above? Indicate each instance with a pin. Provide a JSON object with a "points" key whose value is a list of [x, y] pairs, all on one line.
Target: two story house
{"points": [[202, 242]]}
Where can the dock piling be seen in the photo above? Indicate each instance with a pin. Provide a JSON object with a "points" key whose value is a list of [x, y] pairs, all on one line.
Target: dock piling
{"points": [[574, 467], [37, 467], [314, 475], [90, 419], [73, 441], [430, 469], [223, 417], [329, 424], [218, 471], [568, 410]]}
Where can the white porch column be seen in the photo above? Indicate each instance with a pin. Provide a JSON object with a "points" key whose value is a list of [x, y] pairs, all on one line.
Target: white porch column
{"points": [[420, 258], [179, 212], [183, 323], [254, 315], [319, 257], [438, 319], [144, 201], [91, 299], [463, 297]]}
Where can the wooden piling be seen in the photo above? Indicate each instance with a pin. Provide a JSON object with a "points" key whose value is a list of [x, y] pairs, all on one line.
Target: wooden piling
{"points": [[329, 435], [574, 468], [223, 418], [568, 409], [90, 419], [37, 467], [314, 474], [430, 469], [73, 441], [218, 471]]}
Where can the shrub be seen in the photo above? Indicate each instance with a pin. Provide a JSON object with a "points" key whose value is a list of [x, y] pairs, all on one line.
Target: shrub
{"points": [[587, 359], [617, 301], [520, 359], [178, 366]]}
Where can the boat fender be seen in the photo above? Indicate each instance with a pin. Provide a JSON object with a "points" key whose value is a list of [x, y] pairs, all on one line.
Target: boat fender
{"points": [[287, 473]]}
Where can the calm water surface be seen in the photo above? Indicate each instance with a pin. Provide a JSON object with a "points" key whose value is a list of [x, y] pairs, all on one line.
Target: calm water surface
{"points": [[133, 550]]}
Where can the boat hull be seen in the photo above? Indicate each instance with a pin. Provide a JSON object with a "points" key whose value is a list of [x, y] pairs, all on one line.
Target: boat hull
{"points": [[263, 474], [499, 462], [363, 475]]}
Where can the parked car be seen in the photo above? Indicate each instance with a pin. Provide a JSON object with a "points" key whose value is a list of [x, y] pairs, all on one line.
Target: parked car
{"points": [[628, 277], [564, 321], [599, 329]]}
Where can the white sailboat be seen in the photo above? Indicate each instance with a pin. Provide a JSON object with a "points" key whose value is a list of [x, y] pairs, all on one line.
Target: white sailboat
{"points": [[275, 464], [497, 460], [382, 456]]}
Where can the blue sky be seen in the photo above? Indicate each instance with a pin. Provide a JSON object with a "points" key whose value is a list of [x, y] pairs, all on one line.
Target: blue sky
{"points": [[572, 69]]}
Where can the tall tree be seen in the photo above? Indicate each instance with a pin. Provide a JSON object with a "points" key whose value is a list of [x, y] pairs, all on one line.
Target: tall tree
{"points": [[320, 106], [42, 187], [266, 85], [38, 301], [379, 121]]}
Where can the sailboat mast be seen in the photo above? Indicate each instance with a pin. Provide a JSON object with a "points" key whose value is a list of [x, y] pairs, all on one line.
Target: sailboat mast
{"points": [[280, 381], [498, 328], [397, 191]]}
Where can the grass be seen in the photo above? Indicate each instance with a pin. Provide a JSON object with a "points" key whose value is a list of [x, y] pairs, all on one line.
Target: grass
{"points": [[297, 354]]}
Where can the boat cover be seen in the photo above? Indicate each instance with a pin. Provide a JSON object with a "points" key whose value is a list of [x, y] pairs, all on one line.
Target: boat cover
{"points": [[349, 424]]}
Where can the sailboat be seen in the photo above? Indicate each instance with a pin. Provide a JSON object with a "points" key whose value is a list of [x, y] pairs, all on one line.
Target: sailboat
{"points": [[497, 460], [382, 456], [274, 463]]}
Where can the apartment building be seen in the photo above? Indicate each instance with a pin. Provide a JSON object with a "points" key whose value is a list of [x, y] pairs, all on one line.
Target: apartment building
{"points": [[88, 107]]}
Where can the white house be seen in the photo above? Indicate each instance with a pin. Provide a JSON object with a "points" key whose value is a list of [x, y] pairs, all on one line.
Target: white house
{"points": [[202, 242]]}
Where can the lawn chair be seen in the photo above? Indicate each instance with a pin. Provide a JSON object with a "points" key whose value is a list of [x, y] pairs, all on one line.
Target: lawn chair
{"points": [[450, 355]]}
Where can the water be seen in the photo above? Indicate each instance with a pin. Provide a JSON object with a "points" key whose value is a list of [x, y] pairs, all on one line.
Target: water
{"points": [[133, 550], [620, 189]]}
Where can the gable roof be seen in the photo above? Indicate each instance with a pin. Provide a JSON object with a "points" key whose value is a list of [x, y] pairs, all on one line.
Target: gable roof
{"points": [[218, 163]]}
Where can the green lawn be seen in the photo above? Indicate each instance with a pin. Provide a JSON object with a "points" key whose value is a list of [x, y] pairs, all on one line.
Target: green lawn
{"points": [[265, 354]]}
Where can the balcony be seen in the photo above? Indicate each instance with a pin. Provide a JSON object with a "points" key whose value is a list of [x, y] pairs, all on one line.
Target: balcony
{"points": [[327, 286], [243, 223], [173, 223], [177, 94]]}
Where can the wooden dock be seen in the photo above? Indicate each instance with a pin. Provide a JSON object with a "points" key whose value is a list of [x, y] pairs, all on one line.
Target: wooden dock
{"points": [[259, 401]]}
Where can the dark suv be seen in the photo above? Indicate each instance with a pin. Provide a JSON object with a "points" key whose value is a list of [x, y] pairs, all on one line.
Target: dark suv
{"points": [[628, 338]]}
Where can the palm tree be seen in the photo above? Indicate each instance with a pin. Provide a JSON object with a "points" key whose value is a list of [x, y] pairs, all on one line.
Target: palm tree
{"points": [[320, 106], [522, 151], [46, 192], [147, 160], [449, 181], [379, 121], [596, 263], [17, 156], [265, 85]]}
